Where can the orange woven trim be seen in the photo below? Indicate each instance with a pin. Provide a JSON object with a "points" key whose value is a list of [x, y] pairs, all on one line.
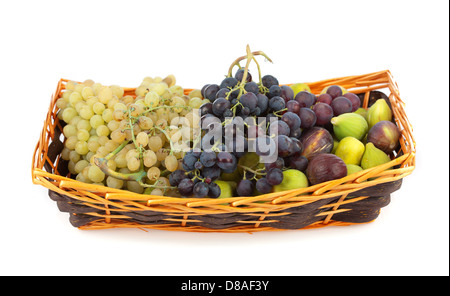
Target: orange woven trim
{"points": [[335, 209]]}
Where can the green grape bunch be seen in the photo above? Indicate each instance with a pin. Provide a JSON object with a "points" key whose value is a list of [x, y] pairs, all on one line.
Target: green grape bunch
{"points": [[130, 142]]}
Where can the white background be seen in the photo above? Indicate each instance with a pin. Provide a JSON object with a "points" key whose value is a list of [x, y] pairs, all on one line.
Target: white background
{"points": [[120, 42]]}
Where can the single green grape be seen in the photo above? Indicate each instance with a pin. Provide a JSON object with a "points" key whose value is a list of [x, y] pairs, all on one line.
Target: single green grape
{"points": [[95, 174]]}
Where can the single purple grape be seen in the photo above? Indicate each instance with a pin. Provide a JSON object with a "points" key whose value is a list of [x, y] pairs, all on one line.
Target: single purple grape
{"points": [[334, 91], [341, 105], [324, 113], [308, 118], [356, 102]]}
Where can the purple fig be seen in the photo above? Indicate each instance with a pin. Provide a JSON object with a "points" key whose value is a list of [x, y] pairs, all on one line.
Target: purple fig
{"points": [[316, 140], [384, 135], [325, 167]]}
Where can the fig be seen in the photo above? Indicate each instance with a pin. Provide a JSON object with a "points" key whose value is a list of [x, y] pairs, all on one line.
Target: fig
{"points": [[335, 145], [349, 125], [379, 111], [353, 168], [298, 87], [362, 112], [350, 150], [373, 157], [325, 167], [384, 135], [316, 140], [292, 179]]}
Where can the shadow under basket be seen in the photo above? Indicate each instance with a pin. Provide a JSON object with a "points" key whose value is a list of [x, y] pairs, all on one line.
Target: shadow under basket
{"points": [[355, 199]]}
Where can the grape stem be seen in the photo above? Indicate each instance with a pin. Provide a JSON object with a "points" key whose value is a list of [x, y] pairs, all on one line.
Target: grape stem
{"points": [[151, 109], [216, 144], [137, 176], [256, 172], [236, 62], [172, 149], [241, 85], [197, 176], [276, 113], [132, 131], [262, 88], [117, 150], [102, 164], [155, 185], [244, 78], [196, 141], [234, 108]]}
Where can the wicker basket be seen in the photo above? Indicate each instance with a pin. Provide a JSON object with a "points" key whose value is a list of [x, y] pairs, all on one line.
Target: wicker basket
{"points": [[354, 199]]}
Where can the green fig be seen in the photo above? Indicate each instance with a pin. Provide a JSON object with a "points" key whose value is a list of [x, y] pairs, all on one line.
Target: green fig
{"points": [[298, 87], [353, 168], [292, 179], [350, 150], [364, 140], [384, 135], [379, 111], [335, 145], [362, 112], [373, 157], [349, 125]]}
